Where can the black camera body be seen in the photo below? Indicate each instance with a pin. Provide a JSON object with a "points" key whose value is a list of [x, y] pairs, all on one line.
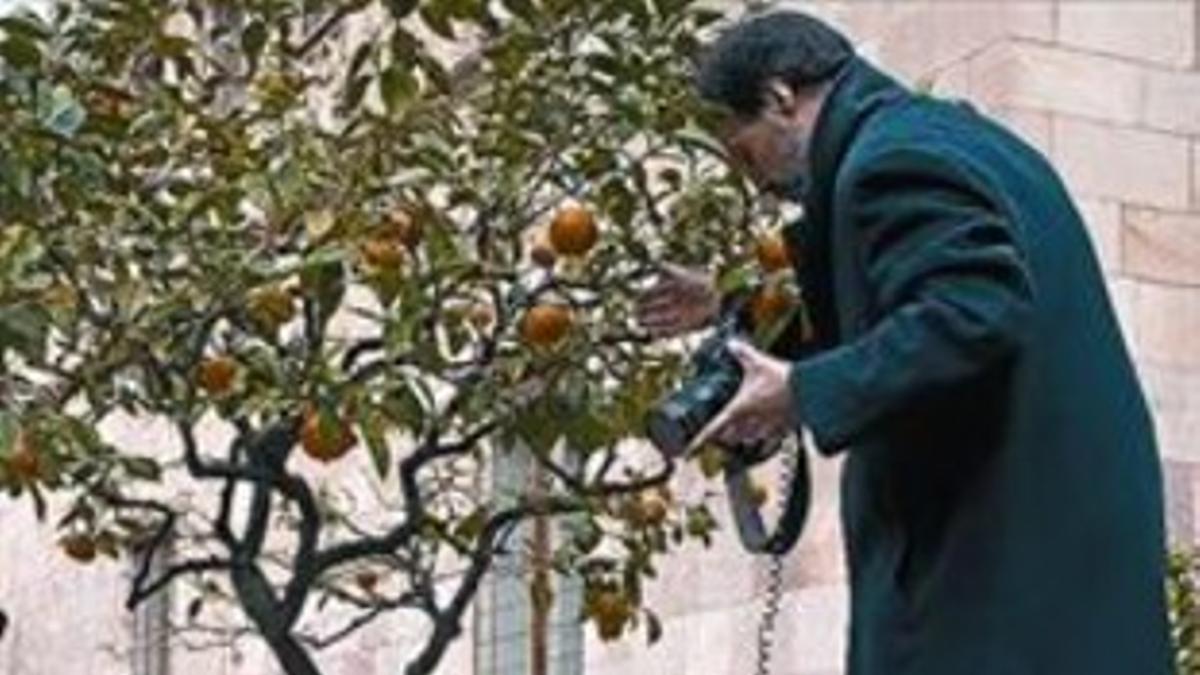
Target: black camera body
{"points": [[673, 423], [716, 375]]}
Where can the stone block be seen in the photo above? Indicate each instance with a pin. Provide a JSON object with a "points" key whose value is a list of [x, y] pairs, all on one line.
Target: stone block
{"points": [[1168, 321], [1196, 174], [1161, 31], [1131, 165], [1044, 77], [1172, 101], [1163, 246]]}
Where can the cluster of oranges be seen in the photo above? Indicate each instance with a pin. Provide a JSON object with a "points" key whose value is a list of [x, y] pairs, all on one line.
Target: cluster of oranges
{"points": [[771, 302], [385, 248], [573, 232]]}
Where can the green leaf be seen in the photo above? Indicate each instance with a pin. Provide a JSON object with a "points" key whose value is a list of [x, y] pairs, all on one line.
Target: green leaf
{"points": [[736, 278], [20, 52], [654, 629], [24, 328], [523, 9], [400, 9], [9, 426], [397, 86], [469, 527], [590, 430], [374, 431], [142, 468], [436, 16], [327, 283], [26, 24], [254, 38], [39, 502], [539, 427]]}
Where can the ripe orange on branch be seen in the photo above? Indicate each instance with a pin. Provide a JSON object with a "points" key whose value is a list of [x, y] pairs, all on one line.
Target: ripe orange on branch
{"points": [[216, 374], [573, 231], [769, 305], [382, 252], [645, 508], [610, 610], [25, 463], [79, 547], [772, 252], [545, 324], [325, 438]]}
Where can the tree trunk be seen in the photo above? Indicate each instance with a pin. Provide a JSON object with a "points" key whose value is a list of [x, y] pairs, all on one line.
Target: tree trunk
{"points": [[292, 657], [539, 588], [254, 592]]}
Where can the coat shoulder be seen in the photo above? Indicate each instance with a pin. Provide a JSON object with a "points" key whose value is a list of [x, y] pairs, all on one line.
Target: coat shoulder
{"points": [[922, 137]]}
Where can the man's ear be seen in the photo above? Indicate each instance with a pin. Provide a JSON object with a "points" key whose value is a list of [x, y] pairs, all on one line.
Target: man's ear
{"points": [[781, 97]]}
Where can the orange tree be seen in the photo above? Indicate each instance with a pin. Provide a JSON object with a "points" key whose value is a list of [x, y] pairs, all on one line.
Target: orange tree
{"points": [[284, 227]]}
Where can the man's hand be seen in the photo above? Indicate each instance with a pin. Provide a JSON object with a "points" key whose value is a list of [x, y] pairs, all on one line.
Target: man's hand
{"points": [[762, 407], [682, 300]]}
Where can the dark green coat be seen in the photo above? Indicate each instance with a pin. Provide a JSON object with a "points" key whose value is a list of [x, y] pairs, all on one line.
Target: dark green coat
{"points": [[1001, 495]]}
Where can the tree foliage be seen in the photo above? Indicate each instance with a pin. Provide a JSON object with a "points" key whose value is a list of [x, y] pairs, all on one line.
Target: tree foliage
{"points": [[288, 227]]}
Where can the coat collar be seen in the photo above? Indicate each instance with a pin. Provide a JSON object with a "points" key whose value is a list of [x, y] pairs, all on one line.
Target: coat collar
{"points": [[858, 90]]}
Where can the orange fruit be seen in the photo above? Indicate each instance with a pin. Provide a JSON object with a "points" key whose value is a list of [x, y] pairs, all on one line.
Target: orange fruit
{"points": [[645, 508], [769, 305], [325, 442], [654, 508], [216, 374], [545, 324], [79, 547], [573, 231], [25, 463], [610, 611], [382, 252], [772, 252], [406, 229]]}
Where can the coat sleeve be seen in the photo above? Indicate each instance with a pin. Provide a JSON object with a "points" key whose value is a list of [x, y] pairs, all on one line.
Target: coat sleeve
{"points": [[950, 293]]}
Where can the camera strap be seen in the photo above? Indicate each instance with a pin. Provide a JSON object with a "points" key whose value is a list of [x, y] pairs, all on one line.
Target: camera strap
{"points": [[796, 492]]}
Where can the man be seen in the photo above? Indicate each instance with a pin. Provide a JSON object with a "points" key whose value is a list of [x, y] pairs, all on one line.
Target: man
{"points": [[1001, 494]]}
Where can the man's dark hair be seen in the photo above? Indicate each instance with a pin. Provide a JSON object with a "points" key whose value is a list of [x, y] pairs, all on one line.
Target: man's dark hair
{"points": [[796, 48]]}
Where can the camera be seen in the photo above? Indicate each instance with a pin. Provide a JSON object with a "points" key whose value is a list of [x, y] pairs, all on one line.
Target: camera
{"points": [[716, 374], [673, 422]]}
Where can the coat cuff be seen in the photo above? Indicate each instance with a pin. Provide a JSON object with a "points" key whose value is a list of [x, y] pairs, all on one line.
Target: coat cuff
{"points": [[821, 404]]}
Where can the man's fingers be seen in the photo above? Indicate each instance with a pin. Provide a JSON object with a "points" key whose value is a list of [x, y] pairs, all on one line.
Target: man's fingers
{"points": [[673, 270], [714, 425], [659, 316], [664, 301]]}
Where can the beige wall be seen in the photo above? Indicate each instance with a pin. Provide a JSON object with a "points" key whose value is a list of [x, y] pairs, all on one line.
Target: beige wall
{"points": [[1110, 90]]}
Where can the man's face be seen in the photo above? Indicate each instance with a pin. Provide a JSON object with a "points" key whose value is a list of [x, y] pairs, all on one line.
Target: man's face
{"points": [[772, 147]]}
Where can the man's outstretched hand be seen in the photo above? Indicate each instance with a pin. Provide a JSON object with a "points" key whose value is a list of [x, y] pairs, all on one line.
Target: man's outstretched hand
{"points": [[762, 407], [680, 301]]}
